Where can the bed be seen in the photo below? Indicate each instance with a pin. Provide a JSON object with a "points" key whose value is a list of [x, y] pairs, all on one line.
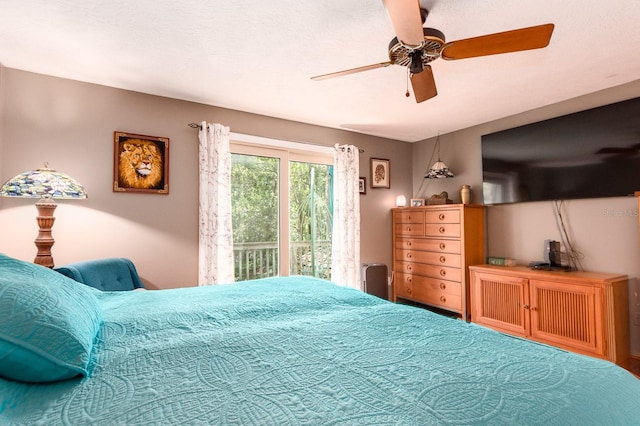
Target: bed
{"points": [[277, 351]]}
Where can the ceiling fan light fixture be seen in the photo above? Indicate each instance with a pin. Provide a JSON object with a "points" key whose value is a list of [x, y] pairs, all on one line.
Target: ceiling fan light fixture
{"points": [[416, 66]]}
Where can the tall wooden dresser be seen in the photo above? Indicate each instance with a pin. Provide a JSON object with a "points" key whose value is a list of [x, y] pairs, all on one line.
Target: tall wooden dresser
{"points": [[433, 247]]}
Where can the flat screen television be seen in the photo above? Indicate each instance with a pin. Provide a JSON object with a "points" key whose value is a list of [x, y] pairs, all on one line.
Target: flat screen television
{"points": [[589, 154]]}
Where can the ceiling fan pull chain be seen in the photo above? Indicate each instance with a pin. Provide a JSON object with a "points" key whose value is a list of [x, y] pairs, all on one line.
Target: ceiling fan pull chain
{"points": [[408, 77]]}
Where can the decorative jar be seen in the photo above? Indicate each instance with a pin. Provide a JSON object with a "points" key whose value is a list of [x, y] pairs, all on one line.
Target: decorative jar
{"points": [[465, 194]]}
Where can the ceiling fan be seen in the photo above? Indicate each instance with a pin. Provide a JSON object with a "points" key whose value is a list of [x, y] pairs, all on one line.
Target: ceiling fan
{"points": [[415, 47]]}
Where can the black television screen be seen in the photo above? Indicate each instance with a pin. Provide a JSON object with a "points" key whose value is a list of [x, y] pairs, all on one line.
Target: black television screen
{"points": [[588, 154]]}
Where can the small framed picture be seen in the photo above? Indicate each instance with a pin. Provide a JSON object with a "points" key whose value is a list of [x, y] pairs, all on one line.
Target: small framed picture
{"points": [[417, 202], [140, 163], [380, 173], [362, 185]]}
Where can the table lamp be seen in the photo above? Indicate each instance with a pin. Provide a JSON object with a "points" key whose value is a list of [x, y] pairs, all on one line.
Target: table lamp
{"points": [[47, 185]]}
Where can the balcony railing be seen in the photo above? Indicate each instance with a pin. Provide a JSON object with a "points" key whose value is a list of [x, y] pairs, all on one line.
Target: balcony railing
{"points": [[260, 260]]}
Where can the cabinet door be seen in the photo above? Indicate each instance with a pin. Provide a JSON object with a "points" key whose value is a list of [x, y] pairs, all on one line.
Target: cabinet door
{"points": [[500, 302], [567, 315]]}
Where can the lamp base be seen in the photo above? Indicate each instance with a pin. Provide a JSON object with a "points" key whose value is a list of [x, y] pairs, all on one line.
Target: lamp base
{"points": [[44, 241]]}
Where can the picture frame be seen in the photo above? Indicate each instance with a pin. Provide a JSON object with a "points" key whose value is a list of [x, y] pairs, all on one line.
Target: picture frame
{"points": [[362, 185], [380, 173], [140, 163], [417, 202]]}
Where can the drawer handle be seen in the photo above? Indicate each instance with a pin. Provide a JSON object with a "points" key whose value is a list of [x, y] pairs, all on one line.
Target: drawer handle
{"points": [[443, 286], [441, 216], [443, 272], [409, 256], [409, 279], [408, 243], [443, 299], [443, 246], [443, 259], [408, 229], [441, 229], [526, 306], [409, 268]]}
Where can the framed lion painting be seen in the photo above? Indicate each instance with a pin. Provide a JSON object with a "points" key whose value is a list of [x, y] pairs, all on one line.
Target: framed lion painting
{"points": [[140, 163]]}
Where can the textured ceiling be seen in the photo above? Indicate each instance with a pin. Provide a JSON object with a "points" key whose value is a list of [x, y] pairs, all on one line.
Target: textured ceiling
{"points": [[258, 56]]}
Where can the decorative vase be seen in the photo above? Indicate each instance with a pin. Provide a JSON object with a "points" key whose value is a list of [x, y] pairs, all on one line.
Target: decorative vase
{"points": [[465, 194]]}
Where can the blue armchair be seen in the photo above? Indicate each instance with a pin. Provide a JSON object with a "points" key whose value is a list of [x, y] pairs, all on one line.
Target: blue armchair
{"points": [[109, 274]]}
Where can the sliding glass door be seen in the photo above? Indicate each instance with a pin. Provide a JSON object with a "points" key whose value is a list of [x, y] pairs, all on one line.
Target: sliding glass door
{"points": [[282, 212]]}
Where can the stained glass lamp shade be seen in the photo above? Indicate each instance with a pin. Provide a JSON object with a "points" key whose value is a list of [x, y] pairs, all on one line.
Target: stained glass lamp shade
{"points": [[439, 170], [46, 185]]}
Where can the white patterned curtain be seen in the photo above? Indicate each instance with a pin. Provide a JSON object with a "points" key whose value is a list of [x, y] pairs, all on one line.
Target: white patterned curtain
{"points": [[215, 248], [345, 250]]}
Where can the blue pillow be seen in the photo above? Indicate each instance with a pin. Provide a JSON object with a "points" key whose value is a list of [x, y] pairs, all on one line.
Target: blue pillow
{"points": [[48, 323]]}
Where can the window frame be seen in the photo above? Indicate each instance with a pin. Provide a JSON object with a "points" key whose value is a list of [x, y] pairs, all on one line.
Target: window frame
{"points": [[285, 151]]}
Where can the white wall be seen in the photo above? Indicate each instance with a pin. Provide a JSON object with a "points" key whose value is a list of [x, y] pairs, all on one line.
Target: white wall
{"points": [[605, 230]]}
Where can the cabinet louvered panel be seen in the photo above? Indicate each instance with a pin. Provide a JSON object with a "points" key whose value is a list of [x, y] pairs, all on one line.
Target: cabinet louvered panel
{"points": [[500, 302], [564, 314]]}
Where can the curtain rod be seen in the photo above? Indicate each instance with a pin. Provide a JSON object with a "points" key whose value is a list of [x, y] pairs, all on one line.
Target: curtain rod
{"points": [[197, 126]]}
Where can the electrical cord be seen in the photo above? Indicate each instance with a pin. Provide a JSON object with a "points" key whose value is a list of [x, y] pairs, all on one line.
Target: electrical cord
{"points": [[574, 256], [422, 184]]}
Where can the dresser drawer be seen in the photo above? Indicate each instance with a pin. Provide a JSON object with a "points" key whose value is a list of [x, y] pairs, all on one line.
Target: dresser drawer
{"points": [[441, 293], [433, 271], [409, 217], [430, 257], [441, 246], [432, 284], [410, 229], [442, 216], [442, 230]]}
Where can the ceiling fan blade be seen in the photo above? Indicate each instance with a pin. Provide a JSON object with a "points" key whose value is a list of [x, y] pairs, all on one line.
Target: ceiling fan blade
{"points": [[424, 85], [505, 42], [352, 71], [407, 21]]}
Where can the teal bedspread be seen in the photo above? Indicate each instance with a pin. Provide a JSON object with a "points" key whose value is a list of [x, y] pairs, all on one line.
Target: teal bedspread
{"points": [[301, 351]]}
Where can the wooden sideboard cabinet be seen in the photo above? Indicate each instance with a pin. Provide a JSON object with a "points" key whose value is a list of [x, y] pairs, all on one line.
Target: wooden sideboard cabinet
{"points": [[584, 312], [433, 247]]}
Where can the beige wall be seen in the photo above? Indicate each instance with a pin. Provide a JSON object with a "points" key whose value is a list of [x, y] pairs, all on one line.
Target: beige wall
{"points": [[70, 125], [605, 230]]}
